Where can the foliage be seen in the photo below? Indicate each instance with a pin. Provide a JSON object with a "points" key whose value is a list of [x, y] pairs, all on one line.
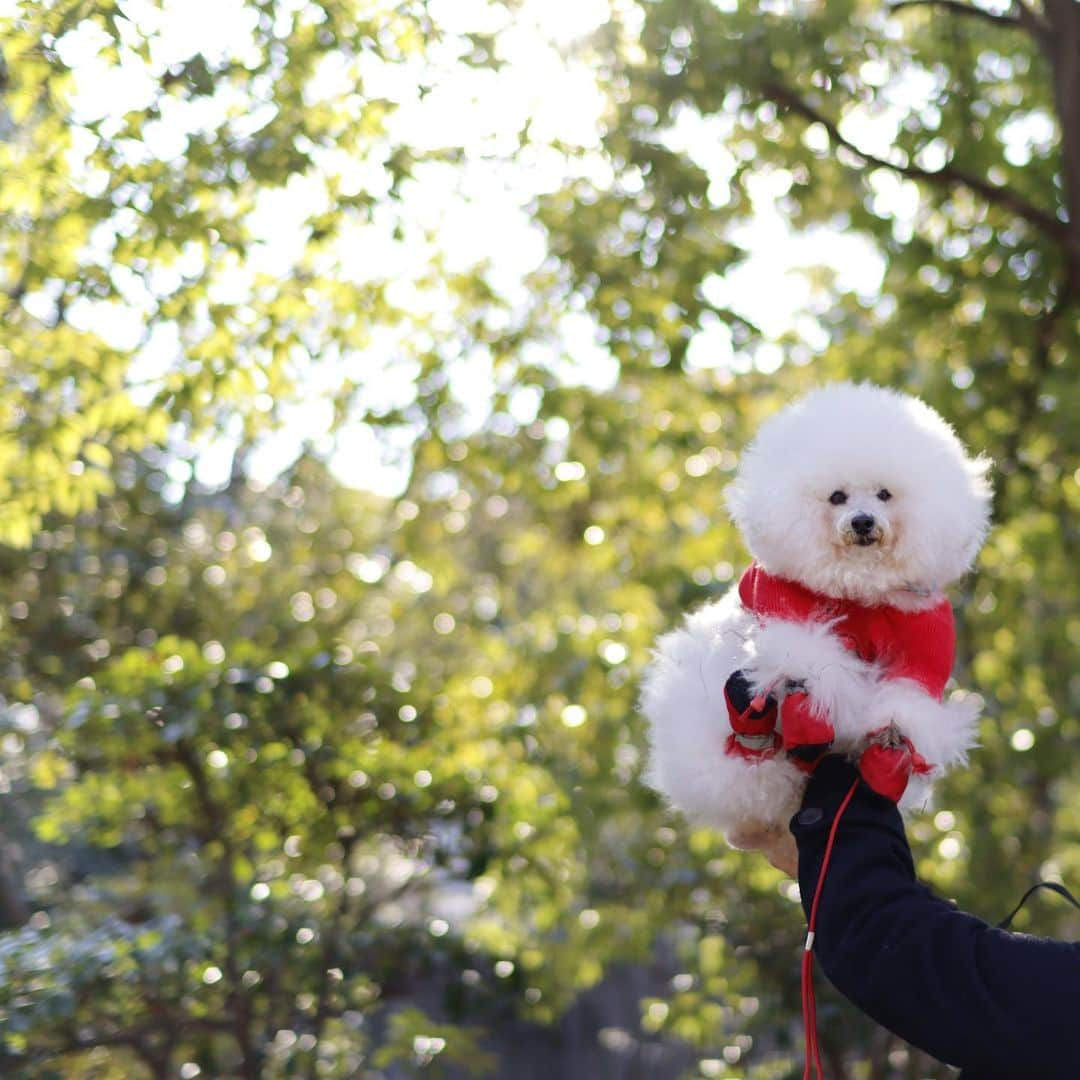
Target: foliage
{"points": [[153, 235], [325, 784], [414, 1038]]}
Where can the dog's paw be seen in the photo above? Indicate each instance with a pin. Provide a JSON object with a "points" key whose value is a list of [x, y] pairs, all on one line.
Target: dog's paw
{"points": [[839, 683], [943, 732]]}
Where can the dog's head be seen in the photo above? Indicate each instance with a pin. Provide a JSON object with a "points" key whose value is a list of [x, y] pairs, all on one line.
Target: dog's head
{"points": [[861, 492]]}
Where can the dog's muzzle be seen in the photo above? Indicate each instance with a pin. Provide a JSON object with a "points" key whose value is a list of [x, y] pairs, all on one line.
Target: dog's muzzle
{"points": [[863, 530]]}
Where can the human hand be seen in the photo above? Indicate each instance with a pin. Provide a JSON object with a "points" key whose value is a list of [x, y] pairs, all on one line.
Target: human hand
{"points": [[775, 843]]}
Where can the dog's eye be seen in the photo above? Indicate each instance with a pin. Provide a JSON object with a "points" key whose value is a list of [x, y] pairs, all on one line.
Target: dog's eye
{"points": [[838, 498], [884, 494]]}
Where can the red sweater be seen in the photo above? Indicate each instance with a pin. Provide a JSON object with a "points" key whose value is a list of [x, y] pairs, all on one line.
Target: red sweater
{"points": [[916, 645]]}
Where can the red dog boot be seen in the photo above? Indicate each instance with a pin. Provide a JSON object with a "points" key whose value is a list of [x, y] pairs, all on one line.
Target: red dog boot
{"points": [[887, 764], [752, 719], [807, 732], [886, 769]]}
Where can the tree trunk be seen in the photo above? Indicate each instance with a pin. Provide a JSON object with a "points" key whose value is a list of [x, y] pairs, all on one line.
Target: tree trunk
{"points": [[13, 907], [1063, 47]]}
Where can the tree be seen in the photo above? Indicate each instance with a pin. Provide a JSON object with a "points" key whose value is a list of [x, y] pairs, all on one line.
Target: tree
{"points": [[146, 287], [246, 924], [947, 135]]}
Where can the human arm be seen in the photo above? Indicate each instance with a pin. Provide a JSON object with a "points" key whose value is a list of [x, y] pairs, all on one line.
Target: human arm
{"points": [[999, 1004]]}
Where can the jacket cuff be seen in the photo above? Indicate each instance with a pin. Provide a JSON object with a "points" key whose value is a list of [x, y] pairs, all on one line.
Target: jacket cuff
{"points": [[828, 786], [827, 789]]}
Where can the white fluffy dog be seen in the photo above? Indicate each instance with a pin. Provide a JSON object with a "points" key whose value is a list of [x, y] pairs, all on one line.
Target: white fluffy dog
{"points": [[858, 505]]}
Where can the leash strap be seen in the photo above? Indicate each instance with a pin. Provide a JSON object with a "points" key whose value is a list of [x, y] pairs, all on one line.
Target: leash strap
{"points": [[809, 1003], [1053, 886]]}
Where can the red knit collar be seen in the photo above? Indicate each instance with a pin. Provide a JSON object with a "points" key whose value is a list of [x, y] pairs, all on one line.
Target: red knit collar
{"points": [[766, 594]]}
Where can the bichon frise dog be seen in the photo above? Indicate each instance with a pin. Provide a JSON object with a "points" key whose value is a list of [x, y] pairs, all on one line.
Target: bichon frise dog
{"points": [[858, 505]]}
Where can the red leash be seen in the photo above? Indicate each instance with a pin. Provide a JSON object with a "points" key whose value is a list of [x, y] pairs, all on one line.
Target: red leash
{"points": [[809, 1006]]}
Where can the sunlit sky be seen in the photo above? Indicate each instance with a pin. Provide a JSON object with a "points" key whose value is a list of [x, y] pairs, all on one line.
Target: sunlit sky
{"points": [[481, 217]]}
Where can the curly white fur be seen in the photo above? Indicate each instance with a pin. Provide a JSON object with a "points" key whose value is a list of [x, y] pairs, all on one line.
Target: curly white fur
{"points": [[683, 697], [840, 685], [862, 441]]}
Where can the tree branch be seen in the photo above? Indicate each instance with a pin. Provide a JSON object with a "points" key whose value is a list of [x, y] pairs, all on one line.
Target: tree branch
{"points": [[1019, 16], [134, 1036], [1063, 16], [217, 827], [331, 945], [947, 176], [958, 8]]}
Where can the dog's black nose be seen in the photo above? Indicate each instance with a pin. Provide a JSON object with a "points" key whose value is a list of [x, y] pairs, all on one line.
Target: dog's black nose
{"points": [[862, 524]]}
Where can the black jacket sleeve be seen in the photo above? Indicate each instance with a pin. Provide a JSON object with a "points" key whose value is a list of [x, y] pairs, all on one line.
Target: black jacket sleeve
{"points": [[994, 1003]]}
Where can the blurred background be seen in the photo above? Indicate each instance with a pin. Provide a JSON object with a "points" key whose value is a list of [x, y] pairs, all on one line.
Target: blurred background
{"points": [[372, 372]]}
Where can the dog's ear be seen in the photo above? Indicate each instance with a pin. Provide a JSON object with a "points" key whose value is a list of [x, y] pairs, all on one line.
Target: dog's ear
{"points": [[735, 500], [982, 490], [979, 471], [742, 506]]}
